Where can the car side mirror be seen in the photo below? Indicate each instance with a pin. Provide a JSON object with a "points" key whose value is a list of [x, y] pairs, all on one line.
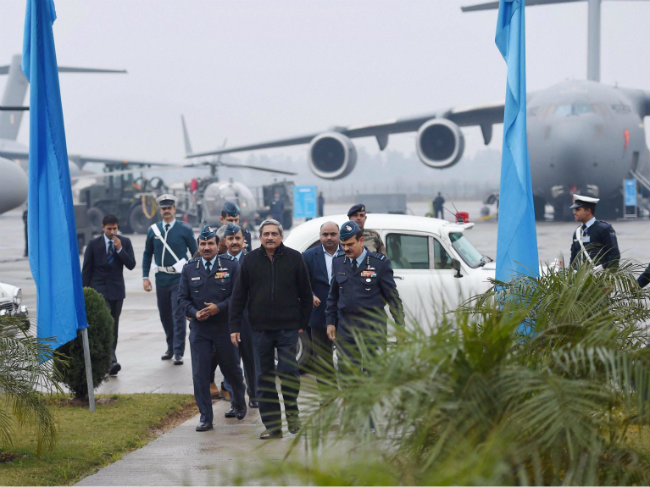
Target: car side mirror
{"points": [[455, 264]]}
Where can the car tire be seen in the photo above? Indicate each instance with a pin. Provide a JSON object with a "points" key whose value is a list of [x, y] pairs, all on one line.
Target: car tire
{"points": [[303, 354]]}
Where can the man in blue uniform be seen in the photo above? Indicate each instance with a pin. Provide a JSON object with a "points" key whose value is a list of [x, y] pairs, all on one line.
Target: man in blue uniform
{"points": [[362, 284], [231, 214], [204, 295], [319, 264], [594, 241], [168, 243], [237, 249], [103, 270]]}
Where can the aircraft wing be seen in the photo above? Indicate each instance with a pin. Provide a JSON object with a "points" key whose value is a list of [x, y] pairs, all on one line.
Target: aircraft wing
{"points": [[80, 159], [484, 116]]}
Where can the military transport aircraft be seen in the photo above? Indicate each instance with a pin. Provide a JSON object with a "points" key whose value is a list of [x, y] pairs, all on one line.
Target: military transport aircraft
{"points": [[14, 155], [583, 136]]}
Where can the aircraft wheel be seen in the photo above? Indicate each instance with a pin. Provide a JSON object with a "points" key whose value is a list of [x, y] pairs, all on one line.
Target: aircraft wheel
{"points": [[138, 221], [95, 217]]}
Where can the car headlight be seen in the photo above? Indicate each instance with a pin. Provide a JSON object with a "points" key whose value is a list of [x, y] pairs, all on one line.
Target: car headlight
{"points": [[18, 297]]}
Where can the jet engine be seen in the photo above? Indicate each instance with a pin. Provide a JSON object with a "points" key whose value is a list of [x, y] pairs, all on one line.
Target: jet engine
{"points": [[332, 155], [439, 143]]}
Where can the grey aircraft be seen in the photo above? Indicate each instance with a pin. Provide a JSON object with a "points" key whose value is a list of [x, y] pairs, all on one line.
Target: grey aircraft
{"points": [[13, 154], [583, 136]]}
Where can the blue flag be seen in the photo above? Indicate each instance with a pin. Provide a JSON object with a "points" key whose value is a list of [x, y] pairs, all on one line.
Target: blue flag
{"points": [[517, 237], [53, 248]]}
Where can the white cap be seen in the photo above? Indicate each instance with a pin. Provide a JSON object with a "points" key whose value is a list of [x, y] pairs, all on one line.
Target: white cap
{"points": [[167, 198], [579, 201]]}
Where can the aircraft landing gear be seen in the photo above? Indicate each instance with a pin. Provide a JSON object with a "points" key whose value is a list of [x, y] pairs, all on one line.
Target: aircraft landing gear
{"points": [[539, 204]]}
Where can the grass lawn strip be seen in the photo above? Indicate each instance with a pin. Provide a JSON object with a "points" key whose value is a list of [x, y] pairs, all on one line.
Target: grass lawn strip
{"points": [[89, 441]]}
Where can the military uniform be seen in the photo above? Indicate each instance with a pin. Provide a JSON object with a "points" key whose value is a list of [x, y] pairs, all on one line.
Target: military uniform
{"points": [[198, 286], [599, 240], [373, 242], [357, 299]]}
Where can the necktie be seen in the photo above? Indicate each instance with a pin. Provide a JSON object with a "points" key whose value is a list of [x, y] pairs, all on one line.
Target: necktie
{"points": [[584, 228], [207, 266], [354, 265], [166, 227], [110, 255]]}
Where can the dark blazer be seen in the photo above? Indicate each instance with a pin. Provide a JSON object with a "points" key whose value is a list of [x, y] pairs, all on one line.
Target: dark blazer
{"points": [[106, 279], [602, 245], [315, 261]]}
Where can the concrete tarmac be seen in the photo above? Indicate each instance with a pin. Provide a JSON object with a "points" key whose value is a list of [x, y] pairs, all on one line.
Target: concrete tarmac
{"points": [[183, 456]]}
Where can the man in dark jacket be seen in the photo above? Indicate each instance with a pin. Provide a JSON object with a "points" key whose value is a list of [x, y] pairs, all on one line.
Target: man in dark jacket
{"points": [[319, 264], [273, 284], [103, 270], [594, 240]]}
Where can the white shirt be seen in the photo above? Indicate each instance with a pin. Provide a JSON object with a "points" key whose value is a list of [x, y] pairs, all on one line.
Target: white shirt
{"points": [[107, 242], [328, 262]]}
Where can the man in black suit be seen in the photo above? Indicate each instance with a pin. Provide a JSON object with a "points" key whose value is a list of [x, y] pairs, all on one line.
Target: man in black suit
{"points": [[319, 265], [103, 270]]}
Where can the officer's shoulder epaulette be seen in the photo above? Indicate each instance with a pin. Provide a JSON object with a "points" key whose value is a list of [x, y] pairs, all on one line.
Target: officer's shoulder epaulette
{"points": [[193, 260], [226, 257], [376, 255]]}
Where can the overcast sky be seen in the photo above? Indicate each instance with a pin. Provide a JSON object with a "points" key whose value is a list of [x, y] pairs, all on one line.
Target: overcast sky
{"points": [[257, 70]]}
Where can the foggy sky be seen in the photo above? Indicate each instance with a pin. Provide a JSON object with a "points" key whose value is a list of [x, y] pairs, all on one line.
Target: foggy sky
{"points": [[257, 70]]}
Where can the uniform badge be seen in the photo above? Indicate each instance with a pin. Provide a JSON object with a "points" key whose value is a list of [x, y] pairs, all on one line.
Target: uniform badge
{"points": [[368, 273], [222, 275], [196, 278]]}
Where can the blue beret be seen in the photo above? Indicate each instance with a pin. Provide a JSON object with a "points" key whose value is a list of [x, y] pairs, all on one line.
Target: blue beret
{"points": [[231, 208], [232, 229], [207, 233], [349, 230], [355, 208]]}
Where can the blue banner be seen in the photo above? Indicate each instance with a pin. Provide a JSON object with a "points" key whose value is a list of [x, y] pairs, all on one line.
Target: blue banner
{"points": [[304, 202], [629, 187], [53, 248], [517, 237]]}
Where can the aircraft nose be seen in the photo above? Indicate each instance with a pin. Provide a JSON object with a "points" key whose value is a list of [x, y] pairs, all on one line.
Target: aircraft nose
{"points": [[13, 187]]}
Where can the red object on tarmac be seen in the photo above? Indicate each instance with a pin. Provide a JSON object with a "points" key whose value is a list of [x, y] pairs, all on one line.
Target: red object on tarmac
{"points": [[462, 217]]}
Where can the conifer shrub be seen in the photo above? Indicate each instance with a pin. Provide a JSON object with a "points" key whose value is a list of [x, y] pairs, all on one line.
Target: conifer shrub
{"points": [[72, 367]]}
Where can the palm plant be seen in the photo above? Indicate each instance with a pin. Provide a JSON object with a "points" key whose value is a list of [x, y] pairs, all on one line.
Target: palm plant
{"points": [[25, 372], [538, 381]]}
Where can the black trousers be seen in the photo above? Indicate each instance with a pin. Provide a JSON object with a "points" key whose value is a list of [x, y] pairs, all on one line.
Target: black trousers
{"points": [[172, 318], [115, 307], [285, 342], [206, 342], [322, 364]]}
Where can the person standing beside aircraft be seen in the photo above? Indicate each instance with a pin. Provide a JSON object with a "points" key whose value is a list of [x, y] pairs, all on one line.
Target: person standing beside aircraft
{"points": [[438, 204], [321, 204], [277, 208], [594, 241], [168, 243], [357, 213], [644, 278], [103, 270]]}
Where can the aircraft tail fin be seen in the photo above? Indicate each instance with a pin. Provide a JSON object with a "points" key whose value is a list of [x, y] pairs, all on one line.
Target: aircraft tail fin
{"points": [[186, 137], [16, 89]]}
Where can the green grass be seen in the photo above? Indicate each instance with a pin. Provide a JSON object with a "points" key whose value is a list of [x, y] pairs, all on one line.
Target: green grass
{"points": [[87, 441]]}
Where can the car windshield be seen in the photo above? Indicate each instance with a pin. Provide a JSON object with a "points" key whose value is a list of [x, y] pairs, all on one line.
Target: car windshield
{"points": [[466, 250]]}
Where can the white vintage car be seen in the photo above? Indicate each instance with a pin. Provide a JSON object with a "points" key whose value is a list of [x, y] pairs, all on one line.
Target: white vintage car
{"points": [[435, 265]]}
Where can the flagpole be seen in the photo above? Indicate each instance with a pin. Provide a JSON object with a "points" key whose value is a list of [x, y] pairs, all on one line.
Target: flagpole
{"points": [[89, 370]]}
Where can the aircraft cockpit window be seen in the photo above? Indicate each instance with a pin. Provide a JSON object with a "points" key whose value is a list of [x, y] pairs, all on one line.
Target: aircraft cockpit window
{"points": [[621, 108], [577, 109]]}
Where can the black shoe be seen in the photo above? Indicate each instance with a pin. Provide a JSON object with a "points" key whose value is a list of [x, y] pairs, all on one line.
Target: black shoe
{"points": [[178, 359], [271, 434], [231, 413], [253, 404], [204, 426], [293, 424], [167, 355], [115, 368], [240, 413]]}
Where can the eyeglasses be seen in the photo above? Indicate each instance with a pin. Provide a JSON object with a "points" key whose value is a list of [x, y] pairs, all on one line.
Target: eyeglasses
{"points": [[165, 207]]}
